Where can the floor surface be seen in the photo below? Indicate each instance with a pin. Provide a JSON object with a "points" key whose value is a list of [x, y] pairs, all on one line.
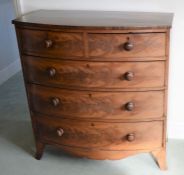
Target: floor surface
{"points": [[17, 146]]}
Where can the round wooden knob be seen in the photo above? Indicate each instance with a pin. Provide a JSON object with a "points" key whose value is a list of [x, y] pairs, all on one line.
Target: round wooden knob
{"points": [[48, 43], [131, 137], [51, 72], [60, 132], [55, 101], [129, 76], [129, 106], [128, 46]]}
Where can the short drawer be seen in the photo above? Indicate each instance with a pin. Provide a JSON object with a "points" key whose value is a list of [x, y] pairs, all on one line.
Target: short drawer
{"points": [[51, 44], [127, 46], [96, 105], [103, 136], [106, 75]]}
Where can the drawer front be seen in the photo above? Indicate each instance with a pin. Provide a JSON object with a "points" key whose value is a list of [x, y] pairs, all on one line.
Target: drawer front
{"points": [[80, 74], [127, 45], [105, 136], [99, 105], [51, 44]]}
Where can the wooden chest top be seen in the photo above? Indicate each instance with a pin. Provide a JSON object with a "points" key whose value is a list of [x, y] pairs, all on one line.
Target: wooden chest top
{"points": [[96, 19]]}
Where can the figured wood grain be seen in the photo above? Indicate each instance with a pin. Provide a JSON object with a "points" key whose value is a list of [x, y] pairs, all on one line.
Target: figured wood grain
{"points": [[92, 74], [99, 135], [82, 98], [35, 42], [97, 105], [112, 45]]}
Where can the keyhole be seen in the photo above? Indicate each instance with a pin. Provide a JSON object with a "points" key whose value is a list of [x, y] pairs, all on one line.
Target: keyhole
{"points": [[87, 65], [92, 124]]}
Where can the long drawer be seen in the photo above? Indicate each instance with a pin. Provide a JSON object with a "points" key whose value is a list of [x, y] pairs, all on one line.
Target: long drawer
{"points": [[81, 74], [99, 135], [96, 105]]}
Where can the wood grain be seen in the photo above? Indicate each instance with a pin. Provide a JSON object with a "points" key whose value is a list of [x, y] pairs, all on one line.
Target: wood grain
{"points": [[96, 105], [101, 20], [92, 75], [97, 81], [102, 136], [112, 45], [63, 44], [96, 153]]}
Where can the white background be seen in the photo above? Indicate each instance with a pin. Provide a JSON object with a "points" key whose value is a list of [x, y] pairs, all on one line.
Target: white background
{"points": [[176, 83]]}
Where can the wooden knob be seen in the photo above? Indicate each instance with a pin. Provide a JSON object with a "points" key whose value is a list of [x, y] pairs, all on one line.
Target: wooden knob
{"points": [[60, 132], [48, 43], [128, 46], [129, 106], [131, 137], [129, 76], [51, 72], [55, 101]]}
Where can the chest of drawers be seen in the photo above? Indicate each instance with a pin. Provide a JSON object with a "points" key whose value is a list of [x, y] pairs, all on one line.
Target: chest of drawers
{"points": [[96, 82]]}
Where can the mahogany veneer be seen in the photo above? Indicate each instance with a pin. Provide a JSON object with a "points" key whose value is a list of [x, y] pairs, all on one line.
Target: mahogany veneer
{"points": [[96, 82], [86, 74], [98, 105]]}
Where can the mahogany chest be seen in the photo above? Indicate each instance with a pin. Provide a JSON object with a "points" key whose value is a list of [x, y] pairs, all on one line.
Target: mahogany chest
{"points": [[96, 82]]}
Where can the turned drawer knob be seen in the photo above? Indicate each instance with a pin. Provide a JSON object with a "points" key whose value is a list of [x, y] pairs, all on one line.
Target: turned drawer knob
{"points": [[128, 46], [51, 72], [55, 101], [60, 132], [129, 76], [48, 43], [131, 137], [129, 106]]}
